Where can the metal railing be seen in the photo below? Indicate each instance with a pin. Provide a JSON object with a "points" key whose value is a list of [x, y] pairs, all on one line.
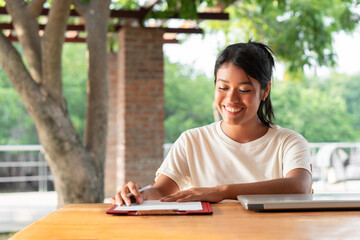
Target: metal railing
{"points": [[24, 157], [325, 156], [31, 156]]}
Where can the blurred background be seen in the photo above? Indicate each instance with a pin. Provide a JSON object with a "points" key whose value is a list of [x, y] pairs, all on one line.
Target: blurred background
{"points": [[318, 98]]}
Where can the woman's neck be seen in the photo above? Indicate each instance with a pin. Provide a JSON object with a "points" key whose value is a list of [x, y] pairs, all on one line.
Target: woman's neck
{"points": [[246, 132]]}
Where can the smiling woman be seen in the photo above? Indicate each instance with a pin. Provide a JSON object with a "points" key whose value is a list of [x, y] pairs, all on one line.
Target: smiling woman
{"points": [[245, 153], [238, 98]]}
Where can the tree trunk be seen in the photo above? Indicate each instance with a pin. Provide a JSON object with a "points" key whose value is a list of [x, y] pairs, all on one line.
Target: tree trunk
{"points": [[78, 170]]}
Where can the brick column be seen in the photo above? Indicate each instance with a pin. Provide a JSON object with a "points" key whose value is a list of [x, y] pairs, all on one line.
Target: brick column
{"points": [[111, 147], [140, 109]]}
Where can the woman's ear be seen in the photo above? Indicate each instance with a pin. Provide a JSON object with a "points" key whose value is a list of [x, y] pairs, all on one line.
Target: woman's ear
{"points": [[266, 91]]}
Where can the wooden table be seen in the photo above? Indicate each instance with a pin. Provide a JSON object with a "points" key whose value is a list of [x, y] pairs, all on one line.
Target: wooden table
{"points": [[229, 221]]}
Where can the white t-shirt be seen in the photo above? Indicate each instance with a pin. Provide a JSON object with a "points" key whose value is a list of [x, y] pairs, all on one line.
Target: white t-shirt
{"points": [[207, 157]]}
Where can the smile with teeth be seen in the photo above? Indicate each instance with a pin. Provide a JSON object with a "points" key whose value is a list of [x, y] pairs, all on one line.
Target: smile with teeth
{"points": [[232, 109]]}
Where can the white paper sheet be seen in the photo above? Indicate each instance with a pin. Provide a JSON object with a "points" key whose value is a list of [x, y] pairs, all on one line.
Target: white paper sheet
{"points": [[158, 205]]}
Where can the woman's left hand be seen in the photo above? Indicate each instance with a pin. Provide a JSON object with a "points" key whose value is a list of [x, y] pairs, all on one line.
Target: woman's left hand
{"points": [[211, 194]]}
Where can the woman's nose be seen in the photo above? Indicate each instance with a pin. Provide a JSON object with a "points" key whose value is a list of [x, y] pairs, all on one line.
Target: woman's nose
{"points": [[233, 95]]}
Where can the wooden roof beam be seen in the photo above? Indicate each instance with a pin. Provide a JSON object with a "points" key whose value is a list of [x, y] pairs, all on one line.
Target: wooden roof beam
{"points": [[83, 40], [69, 27], [138, 14], [81, 28], [72, 40]]}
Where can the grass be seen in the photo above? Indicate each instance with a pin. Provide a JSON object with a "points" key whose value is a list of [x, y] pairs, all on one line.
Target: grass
{"points": [[5, 236]]}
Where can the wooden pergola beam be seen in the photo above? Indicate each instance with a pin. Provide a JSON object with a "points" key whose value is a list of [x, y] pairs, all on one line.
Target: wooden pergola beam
{"points": [[138, 14], [81, 28], [83, 40], [123, 14], [69, 40], [69, 27]]}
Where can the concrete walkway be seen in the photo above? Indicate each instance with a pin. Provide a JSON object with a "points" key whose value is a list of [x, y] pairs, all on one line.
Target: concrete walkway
{"points": [[18, 210]]}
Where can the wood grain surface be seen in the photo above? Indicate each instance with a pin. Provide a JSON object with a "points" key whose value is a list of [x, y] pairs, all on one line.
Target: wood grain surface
{"points": [[229, 221]]}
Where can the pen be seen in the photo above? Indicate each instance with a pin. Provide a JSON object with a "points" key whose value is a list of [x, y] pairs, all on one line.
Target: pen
{"points": [[140, 190]]}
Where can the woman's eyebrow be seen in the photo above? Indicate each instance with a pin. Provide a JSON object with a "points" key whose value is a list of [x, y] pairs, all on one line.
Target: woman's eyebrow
{"points": [[223, 80], [240, 83]]}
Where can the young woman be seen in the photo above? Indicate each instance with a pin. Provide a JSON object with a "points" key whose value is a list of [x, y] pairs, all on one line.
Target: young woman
{"points": [[245, 153]]}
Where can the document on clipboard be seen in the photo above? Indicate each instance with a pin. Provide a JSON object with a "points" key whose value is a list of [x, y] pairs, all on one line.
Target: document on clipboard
{"points": [[156, 207]]}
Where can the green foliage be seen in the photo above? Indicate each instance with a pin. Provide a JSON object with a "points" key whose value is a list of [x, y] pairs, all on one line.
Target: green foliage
{"points": [[300, 32], [124, 4], [4, 236], [74, 80], [16, 125], [188, 100], [348, 87], [311, 111], [186, 9]]}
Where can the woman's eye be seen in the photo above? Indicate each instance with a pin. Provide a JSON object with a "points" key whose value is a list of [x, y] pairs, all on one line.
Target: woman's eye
{"points": [[244, 91], [222, 88]]}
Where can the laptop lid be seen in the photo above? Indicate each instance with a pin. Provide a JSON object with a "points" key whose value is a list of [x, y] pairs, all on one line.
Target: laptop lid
{"points": [[266, 202]]}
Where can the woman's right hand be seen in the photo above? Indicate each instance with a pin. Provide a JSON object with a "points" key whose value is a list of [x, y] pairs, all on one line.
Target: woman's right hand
{"points": [[122, 196], [161, 188]]}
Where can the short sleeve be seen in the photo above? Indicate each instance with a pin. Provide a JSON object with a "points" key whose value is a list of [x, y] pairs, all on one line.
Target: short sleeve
{"points": [[175, 165], [296, 153]]}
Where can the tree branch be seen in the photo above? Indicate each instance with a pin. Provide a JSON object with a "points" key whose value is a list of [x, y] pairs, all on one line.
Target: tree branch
{"points": [[35, 7], [27, 29], [51, 45], [144, 10], [15, 69], [80, 7]]}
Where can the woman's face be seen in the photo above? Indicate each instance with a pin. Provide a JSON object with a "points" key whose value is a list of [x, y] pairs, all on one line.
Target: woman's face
{"points": [[237, 95]]}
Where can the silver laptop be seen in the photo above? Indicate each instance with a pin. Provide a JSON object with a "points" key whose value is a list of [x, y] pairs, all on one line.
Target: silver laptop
{"points": [[278, 202]]}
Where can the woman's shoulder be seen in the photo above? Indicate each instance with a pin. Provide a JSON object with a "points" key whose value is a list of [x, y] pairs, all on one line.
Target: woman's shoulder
{"points": [[194, 136], [205, 130], [285, 133]]}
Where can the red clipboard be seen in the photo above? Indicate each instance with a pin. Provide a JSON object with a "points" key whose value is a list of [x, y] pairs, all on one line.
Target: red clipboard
{"points": [[205, 211]]}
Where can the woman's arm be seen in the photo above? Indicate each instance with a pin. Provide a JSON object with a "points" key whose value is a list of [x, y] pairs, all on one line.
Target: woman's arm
{"points": [[296, 181]]}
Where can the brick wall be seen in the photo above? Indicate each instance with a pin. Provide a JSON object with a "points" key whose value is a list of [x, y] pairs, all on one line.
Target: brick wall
{"points": [[136, 109]]}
